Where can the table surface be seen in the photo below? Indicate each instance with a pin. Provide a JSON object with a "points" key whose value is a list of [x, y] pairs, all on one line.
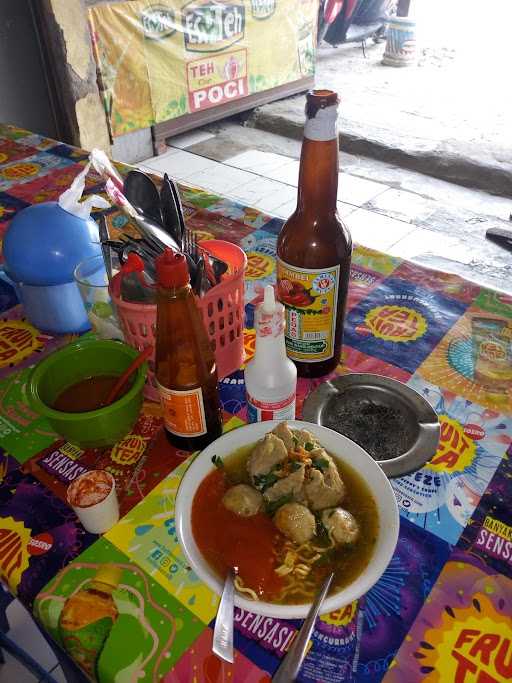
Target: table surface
{"points": [[449, 582]]}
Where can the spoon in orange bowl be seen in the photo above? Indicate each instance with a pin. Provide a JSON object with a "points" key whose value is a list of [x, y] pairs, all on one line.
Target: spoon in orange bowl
{"points": [[290, 666], [223, 632], [119, 385]]}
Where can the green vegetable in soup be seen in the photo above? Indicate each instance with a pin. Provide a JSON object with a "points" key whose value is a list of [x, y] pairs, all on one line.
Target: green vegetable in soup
{"points": [[217, 461]]}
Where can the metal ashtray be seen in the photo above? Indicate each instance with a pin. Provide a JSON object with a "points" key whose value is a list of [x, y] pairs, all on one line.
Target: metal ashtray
{"points": [[383, 415]]}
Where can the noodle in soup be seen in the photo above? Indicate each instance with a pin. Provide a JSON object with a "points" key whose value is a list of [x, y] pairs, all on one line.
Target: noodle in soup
{"points": [[286, 515]]}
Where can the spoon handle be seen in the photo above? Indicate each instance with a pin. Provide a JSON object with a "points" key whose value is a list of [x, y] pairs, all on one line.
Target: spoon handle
{"points": [[223, 632], [143, 356], [290, 666]]}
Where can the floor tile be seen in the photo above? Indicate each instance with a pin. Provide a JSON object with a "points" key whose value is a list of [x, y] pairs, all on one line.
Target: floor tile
{"points": [[358, 191], [286, 209], [147, 169], [258, 162], [375, 230], [420, 241], [25, 633], [255, 190], [14, 672], [188, 139], [220, 178], [277, 198], [180, 164], [406, 206], [345, 209], [160, 157], [288, 173]]}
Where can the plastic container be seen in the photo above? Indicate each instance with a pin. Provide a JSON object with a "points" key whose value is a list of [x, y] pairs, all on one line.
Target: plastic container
{"points": [[91, 278], [222, 309], [73, 363], [103, 514], [42, 247], [270, 377], [401, 48]]}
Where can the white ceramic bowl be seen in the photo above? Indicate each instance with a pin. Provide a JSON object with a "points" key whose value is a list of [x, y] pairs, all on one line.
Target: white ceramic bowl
{"points": [[339, 447]]}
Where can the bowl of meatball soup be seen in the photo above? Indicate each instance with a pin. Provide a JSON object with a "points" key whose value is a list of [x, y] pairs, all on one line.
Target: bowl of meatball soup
{"points": [[285, 504]]}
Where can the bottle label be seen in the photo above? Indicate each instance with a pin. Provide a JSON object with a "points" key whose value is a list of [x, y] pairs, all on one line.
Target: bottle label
{"points": [[322, 126], [310, 298], [269, 324], [183, 411], [261, 411]]}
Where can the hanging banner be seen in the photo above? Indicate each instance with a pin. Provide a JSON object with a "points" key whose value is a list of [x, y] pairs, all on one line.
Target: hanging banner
{"points": [[160, 60]]}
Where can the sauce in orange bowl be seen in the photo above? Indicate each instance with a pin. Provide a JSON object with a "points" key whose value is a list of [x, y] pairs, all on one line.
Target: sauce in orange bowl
{"points": [[227, 540]]}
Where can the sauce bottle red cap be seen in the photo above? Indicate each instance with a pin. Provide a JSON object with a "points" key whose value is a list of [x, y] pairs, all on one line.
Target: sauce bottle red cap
{"points": [[172, 269]]}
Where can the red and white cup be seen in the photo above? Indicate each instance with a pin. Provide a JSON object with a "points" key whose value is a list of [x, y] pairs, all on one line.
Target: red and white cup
{"points": [[93, 497]]}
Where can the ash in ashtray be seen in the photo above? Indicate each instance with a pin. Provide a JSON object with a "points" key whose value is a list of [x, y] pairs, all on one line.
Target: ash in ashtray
{"points": [[381, 430]]}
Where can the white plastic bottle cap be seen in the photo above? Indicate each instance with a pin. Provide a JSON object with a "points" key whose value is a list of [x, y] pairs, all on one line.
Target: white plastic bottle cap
{"points": [[269, 300]]}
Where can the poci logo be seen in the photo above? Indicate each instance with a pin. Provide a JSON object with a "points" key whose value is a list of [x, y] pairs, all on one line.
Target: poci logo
{"points": [[158, 21], [211, 27]]}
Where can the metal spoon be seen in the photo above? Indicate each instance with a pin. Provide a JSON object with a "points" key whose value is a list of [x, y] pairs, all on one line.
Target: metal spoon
{"points": [[223, 632], [105, 249], [143, 194], [154, 233], [290, 666], [172, 212]]}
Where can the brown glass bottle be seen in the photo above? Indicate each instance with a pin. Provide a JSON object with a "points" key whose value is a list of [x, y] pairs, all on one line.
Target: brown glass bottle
{"points": [[314, 248], [185, 364]]}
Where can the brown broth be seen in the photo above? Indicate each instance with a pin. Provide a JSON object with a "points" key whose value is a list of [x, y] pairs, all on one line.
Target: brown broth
{"points": [[88, 394], [347, 562]]}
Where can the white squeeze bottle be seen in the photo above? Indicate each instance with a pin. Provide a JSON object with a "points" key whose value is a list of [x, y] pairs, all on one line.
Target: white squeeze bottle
{"points": [[270, 377]]}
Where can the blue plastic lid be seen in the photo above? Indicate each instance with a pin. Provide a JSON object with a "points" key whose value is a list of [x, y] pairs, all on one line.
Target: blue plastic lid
{"points": [[44, 244]]}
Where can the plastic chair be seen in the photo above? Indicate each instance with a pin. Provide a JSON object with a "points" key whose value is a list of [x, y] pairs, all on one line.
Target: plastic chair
{"points": [[24, 658], [10, 646]]}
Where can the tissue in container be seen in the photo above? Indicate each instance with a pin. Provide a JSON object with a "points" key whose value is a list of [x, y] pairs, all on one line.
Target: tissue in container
{"points": [[492, 352]]}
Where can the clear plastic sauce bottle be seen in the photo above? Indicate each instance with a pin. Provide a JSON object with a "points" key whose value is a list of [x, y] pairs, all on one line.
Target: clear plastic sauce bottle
{"points": [[270, 377]]}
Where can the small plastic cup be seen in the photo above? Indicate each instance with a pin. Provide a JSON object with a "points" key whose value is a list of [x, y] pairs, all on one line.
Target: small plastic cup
{"points": [[93, 497], [91, 278]]}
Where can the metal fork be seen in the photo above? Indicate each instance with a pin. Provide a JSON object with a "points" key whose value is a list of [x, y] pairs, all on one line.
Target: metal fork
{"points": [[190, 244]]}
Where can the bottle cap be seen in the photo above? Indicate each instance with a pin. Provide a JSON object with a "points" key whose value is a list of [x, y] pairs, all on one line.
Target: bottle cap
{"points": [[269, 300], [172, 269], [110, 575], [133, 264], [269, 315], [320, 99]]}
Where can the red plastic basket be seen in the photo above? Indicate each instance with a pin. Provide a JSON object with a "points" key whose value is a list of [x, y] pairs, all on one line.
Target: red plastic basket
{"points": [[222, 308]]}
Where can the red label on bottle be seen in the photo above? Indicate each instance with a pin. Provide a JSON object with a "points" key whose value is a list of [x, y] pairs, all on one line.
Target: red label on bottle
{"points": [[262, 411]]}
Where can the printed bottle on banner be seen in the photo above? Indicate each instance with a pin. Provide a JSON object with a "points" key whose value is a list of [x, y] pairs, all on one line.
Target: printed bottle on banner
{"points": [[88, 616], [270, 377], [314, 248], [185, 370]]}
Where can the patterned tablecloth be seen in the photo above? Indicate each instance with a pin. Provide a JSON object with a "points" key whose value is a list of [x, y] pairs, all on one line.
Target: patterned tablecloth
{"points": [[442, 609]]}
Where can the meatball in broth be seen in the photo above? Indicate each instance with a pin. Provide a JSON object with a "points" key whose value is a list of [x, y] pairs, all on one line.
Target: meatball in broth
{"points": [[296, 522], [243, 500], [340, 525]]}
